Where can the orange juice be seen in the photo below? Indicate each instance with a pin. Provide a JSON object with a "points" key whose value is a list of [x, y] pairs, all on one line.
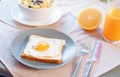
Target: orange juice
{"points": [[112, 25]]}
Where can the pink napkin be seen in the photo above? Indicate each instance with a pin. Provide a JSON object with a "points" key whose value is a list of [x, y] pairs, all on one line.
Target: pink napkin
{"points": [[108, 60]]}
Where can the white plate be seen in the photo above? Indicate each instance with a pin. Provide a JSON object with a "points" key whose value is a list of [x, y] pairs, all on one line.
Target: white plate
{"points": [[21, 39], [17, 15]]}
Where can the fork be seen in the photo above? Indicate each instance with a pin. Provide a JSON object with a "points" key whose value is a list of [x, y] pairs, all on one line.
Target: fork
{"points": [[85, 48], [94, 56]]}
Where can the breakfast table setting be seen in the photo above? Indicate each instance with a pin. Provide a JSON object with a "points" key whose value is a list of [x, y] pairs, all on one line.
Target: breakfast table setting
{"points": [[63, 23]]}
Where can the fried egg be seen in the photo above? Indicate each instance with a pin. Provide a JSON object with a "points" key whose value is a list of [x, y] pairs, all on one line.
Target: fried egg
{"points": [[38, 46]]}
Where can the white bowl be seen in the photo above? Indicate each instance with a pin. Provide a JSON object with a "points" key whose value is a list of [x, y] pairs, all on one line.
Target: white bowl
{"points": [[36, 14]]}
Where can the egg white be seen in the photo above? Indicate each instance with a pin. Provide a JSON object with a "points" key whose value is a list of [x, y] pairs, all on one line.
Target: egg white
{"points": [[53, 50]]}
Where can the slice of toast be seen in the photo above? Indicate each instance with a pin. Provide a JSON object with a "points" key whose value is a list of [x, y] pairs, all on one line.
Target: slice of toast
{"points": [[52, 55]]}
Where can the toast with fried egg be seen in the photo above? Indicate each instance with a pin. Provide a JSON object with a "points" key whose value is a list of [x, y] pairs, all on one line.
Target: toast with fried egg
{"points": [[44, 49]]}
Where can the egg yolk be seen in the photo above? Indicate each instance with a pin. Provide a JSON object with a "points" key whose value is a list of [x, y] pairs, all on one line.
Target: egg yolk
{"points": [[42, 46]]}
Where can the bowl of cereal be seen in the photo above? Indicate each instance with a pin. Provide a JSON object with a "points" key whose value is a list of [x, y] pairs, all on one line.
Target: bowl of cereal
{"points": [[36, 9]]}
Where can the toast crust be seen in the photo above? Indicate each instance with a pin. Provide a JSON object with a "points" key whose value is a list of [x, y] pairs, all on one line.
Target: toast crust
{"points": [[28, 57]]}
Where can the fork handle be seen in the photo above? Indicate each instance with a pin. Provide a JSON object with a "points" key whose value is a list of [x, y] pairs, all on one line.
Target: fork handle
{"points": [[88, 69], [77, 66]]}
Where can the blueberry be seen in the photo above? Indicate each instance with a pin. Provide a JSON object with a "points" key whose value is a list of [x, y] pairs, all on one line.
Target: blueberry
{"points": [[40, 1], [32, 0], [29, 7]]}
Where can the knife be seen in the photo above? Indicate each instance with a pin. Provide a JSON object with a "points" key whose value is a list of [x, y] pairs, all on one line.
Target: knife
{"points": [[94, 57]]}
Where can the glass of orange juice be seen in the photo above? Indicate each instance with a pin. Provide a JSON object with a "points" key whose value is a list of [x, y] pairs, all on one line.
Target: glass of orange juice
{"points": [[111, 30]]}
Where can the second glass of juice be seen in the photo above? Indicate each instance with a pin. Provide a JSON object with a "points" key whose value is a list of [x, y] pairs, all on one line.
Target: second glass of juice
{"points": [[111, 30]]}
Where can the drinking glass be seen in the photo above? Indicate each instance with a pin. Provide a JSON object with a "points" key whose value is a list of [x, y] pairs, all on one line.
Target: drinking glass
{"points": [[111, 30]]}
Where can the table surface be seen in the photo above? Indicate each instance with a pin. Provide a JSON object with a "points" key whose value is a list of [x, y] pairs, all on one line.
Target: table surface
{"points": [[9, 28]]}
